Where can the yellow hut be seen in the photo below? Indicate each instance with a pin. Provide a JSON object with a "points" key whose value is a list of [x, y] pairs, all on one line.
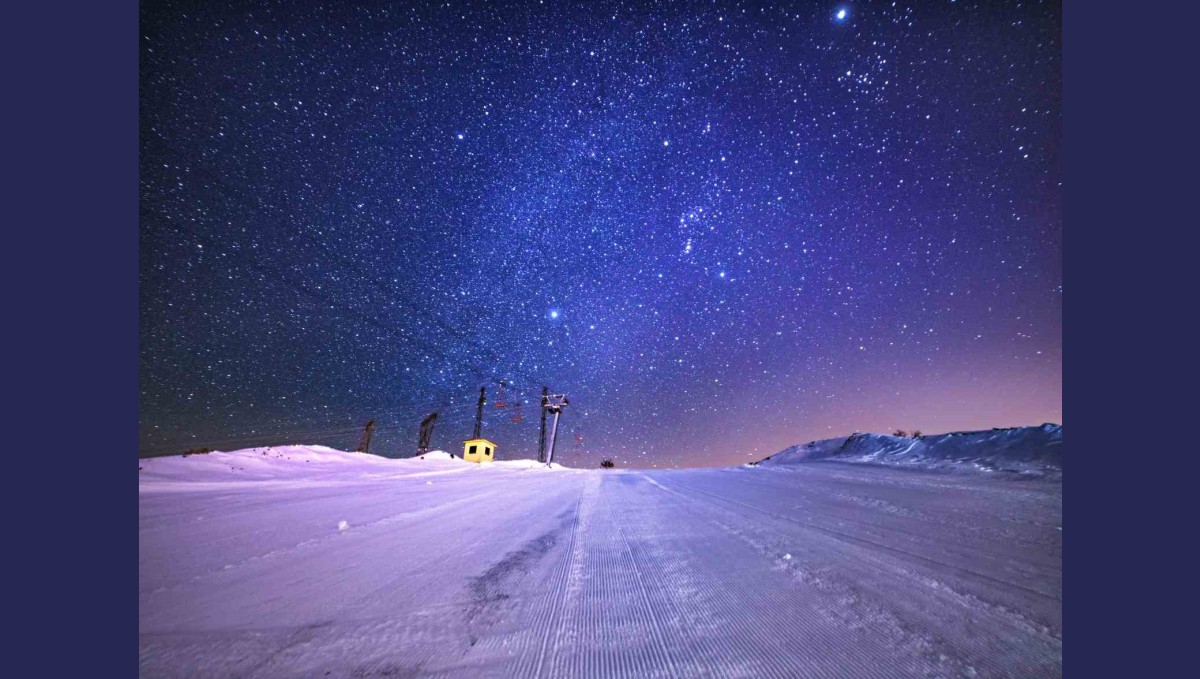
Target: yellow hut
{"points": [[479, 450]]}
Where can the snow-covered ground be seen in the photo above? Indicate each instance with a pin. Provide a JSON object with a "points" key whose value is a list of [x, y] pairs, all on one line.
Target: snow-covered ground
{"points": [[309, 562]]}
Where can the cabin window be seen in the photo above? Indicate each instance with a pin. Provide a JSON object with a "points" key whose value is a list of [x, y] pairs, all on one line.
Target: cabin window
{"points": [[472, 451], [487, 451]]}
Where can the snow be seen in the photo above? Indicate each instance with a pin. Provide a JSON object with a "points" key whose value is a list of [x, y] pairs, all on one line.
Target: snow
{"points": [[1032, 451], [299, 466], [310, 562]]}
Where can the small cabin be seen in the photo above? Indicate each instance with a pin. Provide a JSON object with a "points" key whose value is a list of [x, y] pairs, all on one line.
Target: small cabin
{"points": [[479, 450]]}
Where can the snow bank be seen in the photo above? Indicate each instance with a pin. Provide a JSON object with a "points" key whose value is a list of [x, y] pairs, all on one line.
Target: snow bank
{"points": [[270, 463], [303, 465], [1025, 450]]}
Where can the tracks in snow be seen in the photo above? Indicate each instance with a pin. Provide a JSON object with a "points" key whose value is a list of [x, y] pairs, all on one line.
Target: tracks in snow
{"points": [[619, 574], [918, 604]]}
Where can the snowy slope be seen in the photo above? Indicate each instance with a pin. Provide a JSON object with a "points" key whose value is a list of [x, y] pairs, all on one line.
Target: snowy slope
{"points": [[1025, 450], [307, 562]]}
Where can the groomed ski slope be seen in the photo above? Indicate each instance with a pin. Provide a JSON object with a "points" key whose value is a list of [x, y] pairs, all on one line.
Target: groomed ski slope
{"points": [[308, 562]]}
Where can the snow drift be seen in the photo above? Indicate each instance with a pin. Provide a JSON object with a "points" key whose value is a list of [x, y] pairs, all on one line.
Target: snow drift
{"points": [[304, 465], [1025, 450]]}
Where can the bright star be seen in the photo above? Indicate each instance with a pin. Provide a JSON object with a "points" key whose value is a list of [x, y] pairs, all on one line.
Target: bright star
{"points": [[841, 14]]}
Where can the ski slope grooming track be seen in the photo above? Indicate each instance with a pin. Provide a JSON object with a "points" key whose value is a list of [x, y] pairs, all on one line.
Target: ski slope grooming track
{"points": [[338, 565]]}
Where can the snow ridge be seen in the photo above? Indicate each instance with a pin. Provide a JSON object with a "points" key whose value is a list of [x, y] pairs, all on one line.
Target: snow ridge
{"points": [[1023, 450]]}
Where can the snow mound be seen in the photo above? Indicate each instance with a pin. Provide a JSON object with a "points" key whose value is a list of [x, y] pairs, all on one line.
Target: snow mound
{"points": [[304, 465], [1025, 450]]}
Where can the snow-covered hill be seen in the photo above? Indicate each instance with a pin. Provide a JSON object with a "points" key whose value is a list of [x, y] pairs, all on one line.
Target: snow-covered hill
{"points": [[1025, 450]]}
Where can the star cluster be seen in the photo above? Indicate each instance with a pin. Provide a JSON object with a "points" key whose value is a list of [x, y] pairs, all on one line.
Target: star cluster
{"points": [[721, 228]]}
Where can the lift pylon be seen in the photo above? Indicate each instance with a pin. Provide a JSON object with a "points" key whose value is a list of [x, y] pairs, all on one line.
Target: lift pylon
{"points": [[553, 404], [426, 433], [364, 443]]}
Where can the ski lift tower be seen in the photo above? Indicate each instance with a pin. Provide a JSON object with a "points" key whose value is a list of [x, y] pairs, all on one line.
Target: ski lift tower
{"points": [[426, 433], [553, 404], [364, 443], [477, 448], [542, 431]]}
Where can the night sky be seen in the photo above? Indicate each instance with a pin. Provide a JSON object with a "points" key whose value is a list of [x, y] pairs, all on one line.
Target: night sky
{"points": [[720, 228]]}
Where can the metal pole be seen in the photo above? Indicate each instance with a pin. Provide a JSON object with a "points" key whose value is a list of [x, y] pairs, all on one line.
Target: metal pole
{"points": [[542, 433], [555, 405], [364, 444], [479, 414], [553, 437], [426, 433]]}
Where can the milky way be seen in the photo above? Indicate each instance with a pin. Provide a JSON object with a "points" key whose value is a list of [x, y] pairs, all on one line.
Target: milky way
{"points": [[720, 228]]}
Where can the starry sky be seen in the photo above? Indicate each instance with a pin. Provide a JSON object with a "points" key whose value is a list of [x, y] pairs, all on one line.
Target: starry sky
{"points": [[721, 228]]}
